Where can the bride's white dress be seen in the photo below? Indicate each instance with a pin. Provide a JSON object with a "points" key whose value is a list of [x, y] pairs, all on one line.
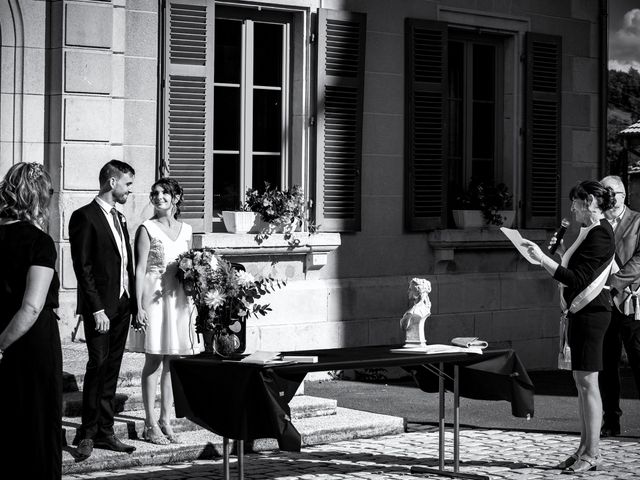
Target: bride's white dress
{"points": [[171, 316]]}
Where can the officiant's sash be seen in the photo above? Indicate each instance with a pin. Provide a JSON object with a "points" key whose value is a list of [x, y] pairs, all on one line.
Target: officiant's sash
{"points": [[592, 290]]}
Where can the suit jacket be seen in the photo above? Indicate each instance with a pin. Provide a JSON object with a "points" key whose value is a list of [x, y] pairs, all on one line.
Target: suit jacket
{"points": [[627, 235], [96, 261]]}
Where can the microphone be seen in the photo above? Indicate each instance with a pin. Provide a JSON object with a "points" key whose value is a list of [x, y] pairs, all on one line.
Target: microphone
{"points": [[564, 224]]}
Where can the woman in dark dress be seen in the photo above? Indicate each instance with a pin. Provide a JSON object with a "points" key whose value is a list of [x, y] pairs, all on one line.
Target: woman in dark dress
{"points": [[30, 351], [582, 273]]}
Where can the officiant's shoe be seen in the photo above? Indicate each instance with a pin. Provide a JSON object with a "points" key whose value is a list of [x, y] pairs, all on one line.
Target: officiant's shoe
{"points": [[112, 442], [570, 460]]}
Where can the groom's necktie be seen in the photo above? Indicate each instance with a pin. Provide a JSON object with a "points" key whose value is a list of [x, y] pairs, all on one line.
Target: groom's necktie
{"points": [[116, 222], [123, 249]]}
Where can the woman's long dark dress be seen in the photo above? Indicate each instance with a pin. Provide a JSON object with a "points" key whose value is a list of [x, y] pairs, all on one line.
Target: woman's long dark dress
{"points": [[31, 369]]}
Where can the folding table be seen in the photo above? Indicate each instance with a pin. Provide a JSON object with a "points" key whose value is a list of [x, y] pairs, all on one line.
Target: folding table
{"points": [[243, 401]]}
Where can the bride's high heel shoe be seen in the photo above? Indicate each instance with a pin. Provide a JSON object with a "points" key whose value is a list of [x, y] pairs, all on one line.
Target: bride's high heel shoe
{"points": [[570, 460], [169, 433], [151, 433]]}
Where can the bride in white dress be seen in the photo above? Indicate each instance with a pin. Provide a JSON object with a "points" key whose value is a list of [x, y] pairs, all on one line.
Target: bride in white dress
{"points": [[164, 326]]}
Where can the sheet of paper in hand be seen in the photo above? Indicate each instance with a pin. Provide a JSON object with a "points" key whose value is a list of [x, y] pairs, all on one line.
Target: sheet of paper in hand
{"points": [[516, 239], [469, 342]]}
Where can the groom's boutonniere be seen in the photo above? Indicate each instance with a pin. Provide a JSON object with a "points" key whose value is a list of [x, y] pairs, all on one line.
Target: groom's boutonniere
{"points": [[123, 220]]}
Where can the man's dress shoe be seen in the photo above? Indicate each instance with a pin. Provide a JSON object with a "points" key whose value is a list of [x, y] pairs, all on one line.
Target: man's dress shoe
{"points": [[113, 443], [610, 430], [85, 448]]}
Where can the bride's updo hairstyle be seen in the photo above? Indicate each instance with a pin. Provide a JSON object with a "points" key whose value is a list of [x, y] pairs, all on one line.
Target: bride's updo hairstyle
{"points": [[25, 193], [173, 188], [605, 196]]}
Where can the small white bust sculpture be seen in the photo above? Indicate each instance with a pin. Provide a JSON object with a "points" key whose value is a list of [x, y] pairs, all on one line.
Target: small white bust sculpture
{"points": [[412, 321]]}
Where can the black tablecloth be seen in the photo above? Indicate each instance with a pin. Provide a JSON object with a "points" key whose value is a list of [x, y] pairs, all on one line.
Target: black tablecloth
{"points": [[246, 402]]}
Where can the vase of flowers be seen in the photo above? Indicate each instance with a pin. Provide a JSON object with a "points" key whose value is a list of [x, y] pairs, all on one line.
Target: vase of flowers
{"points": [[283, 211], [224, 296]]}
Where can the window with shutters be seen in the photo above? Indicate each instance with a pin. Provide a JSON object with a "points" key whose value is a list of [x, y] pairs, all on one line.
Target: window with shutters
{"points": [[244, 105], [251, 97], [469, 116]]}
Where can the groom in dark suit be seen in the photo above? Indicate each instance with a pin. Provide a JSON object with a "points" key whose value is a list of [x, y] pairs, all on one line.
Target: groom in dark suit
{"points": [[104, 269]]}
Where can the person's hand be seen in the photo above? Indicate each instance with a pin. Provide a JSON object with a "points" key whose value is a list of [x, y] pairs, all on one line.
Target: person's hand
{"points": [[102, 322], [534, 250], [140, 321], [560, 250]]}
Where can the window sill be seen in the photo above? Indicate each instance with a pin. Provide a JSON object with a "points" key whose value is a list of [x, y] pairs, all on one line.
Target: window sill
{"points": [[316, 247], [446, 242]]}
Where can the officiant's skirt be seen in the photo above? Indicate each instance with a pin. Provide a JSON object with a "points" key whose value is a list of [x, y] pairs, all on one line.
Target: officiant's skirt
{"points": [[586, 337]]}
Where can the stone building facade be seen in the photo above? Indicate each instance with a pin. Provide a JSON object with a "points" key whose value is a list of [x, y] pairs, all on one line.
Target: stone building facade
{"points": [[381, 110]]}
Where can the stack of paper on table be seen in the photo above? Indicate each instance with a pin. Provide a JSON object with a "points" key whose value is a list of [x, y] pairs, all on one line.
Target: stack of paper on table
{"points": [[437, 348], [300, 358]]}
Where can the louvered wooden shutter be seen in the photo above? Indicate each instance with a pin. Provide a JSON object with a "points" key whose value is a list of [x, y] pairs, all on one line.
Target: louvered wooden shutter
{"points": [[425, 124], [341, 47], [542, 148], [188, 105]]}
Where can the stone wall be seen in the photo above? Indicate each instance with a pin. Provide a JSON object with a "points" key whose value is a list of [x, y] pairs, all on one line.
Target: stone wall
{"points": [[90, 94]]}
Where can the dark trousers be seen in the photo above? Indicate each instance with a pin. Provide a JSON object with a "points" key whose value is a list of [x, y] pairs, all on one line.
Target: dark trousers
{"points": [[623, 329], [103, 368]]}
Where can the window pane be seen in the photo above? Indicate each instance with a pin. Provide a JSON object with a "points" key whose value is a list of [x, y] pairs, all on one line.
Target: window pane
{"points": [[482, 170], [266, 168], [268, 55], [228, 52], [456, 82], [226, 178], [267, 121], [226, 115], [483, 130], [483, 72]]}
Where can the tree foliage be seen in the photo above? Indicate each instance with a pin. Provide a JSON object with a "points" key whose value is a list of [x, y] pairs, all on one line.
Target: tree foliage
{"points": [[624, 109]]}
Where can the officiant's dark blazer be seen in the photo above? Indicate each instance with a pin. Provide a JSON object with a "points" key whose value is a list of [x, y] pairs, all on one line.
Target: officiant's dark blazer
{"points": [[96, 261]]}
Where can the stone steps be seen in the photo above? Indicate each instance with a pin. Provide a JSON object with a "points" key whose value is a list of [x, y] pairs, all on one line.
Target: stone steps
{"points": [[130, 399], [345, 424], [130, 421], [318, 420]]}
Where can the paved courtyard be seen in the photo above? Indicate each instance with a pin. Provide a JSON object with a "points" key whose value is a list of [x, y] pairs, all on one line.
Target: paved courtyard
{"points": [[501, 454]]}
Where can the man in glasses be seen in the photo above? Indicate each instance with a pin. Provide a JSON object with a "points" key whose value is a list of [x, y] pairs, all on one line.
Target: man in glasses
{"points": [[624, 327]]}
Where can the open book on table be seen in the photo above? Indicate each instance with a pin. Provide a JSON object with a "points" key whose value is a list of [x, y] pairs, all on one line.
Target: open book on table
{"points": [[262, 357]]}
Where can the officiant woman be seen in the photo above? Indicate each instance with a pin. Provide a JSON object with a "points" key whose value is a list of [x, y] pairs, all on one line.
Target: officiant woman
{"points": [[30, 351], [582, 273]]}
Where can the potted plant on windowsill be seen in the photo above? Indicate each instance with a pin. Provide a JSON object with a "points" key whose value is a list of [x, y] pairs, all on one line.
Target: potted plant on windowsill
{"points": [[242, 220], [283, 211], [484, 204]]}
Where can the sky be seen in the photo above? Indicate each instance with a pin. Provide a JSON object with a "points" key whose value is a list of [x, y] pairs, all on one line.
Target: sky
{"points": [[624, 34]]}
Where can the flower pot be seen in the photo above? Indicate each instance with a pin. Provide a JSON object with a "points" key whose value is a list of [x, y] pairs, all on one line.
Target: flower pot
{"points": [[239, 222], [475, 219]]}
